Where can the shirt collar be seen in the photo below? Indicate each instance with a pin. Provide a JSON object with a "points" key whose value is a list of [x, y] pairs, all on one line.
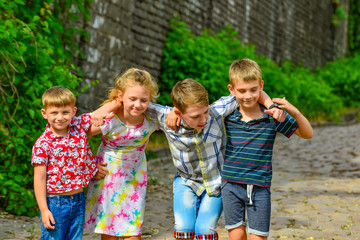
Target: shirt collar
{"points": [[238, 115]]}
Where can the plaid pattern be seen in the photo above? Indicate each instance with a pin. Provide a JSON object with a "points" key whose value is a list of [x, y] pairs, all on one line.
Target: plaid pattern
{"points": [[207, 237], [198, 237], [198, 155], [183, 235]]}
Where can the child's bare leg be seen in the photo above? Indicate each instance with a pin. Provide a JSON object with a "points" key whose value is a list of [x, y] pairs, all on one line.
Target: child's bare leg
{"points": [[132, 238], [257, 237], [108, 237], [238, 233]]}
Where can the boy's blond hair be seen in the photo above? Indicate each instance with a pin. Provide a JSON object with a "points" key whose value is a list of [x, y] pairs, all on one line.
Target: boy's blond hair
{"points": [[188, 92], [58, 97], [129, 78], [244, 69]]}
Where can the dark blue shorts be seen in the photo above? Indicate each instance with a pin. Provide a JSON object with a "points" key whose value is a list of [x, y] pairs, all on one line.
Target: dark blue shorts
{"points": [[255, 200]]}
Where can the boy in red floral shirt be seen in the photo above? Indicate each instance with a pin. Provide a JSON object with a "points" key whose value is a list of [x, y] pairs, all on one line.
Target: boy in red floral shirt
{"points": [[63, 165]]}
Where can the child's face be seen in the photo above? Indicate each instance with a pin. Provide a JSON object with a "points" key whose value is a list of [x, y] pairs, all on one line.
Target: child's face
{"points": [[247, 93], [195, 116], [135, 100], [59, 118]]}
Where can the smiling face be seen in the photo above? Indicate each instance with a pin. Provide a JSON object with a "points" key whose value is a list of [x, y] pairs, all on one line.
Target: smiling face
{"points": [[195, 116], [247, 93], [135, 101], [59, 118]]}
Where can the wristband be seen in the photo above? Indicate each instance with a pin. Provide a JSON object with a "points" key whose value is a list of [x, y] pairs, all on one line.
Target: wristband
{"points": [[274, 105]]}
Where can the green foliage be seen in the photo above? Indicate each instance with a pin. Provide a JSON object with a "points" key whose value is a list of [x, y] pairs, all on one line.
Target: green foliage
{"points": [[343, 77], [319, 93], [35, 53], [354, 27], [340, 14]]}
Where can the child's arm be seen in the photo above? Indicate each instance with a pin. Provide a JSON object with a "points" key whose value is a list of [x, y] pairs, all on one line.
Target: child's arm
{"points": [[93, 130], [40, 194], [304, 130], [276, 113], [105, 111], [172, 120]]}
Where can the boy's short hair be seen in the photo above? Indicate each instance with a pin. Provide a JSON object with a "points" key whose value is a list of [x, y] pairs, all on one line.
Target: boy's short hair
{"points": [[58, 97], [187, 92], [244, 69]]}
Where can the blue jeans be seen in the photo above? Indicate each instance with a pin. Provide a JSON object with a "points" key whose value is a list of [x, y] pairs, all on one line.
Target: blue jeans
{"points": [[255, 200], [195, 215], [69, 215]]}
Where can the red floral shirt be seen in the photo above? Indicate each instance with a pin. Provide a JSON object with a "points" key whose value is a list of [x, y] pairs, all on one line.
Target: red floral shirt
{"points": [[70, 163]]}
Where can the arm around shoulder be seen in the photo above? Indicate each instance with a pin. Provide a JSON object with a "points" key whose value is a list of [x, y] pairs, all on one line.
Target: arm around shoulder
{"points": [[305, 129]]}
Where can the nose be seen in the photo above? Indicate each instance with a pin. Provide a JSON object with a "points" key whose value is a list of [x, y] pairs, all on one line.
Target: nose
{"points": [[203, 118], [137, 103]]}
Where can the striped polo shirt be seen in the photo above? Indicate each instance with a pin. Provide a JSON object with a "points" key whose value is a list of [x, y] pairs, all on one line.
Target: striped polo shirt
{"points": [[249, 147]]}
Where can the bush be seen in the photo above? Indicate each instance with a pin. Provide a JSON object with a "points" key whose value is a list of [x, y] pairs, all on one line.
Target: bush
{"points": [[318, 93], [33, 59]]}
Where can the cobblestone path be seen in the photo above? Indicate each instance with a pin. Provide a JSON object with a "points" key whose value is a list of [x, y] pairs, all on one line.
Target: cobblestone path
{"points": [[315, 192]]}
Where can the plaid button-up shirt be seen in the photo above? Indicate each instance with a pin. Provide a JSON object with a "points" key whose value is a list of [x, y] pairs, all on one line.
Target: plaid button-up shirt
{"points": [[198, 155]]}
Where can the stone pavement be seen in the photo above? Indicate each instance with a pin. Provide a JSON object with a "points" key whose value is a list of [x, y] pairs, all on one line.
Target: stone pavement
{"points": [[315, 191]]}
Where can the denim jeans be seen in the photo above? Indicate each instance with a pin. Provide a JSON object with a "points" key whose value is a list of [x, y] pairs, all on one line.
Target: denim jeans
{"points": [[195, 216], [237, 199], [69, 215]]}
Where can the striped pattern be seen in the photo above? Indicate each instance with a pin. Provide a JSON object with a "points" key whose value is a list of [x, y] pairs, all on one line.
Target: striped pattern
{"points": [[249, 149]]}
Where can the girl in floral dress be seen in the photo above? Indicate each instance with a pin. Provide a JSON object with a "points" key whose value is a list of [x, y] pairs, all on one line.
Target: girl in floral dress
{"points": [[116, 204]]}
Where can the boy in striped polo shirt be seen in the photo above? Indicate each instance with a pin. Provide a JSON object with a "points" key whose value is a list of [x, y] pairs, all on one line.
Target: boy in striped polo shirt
{"points": [[247, 171]]}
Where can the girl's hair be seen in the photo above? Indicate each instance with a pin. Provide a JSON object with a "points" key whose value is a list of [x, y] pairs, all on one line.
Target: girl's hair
{"points": [[187, 92], [58, 97], [131, 77]]}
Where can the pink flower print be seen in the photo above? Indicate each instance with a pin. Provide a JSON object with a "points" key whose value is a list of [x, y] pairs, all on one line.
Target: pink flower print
{"points": [[122, 214], [91, 220], [119, 173], [142, 184], [134, 197], [109, 185], [101, 199]]}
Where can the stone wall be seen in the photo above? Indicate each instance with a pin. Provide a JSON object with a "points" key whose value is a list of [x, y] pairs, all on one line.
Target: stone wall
{"points": [[132, 33]]}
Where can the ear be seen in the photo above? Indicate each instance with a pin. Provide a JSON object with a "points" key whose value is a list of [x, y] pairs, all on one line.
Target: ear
{"points": [[177, 112], [262, 85], [120, 96], [74, 111], [43, 113], [231, 89]]}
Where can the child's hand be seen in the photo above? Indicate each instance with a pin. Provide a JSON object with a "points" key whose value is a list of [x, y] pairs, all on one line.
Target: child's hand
{"points": [[277, 114], [172, 120], [102, 171], [283, 103], [98, 116], [48, 219]]}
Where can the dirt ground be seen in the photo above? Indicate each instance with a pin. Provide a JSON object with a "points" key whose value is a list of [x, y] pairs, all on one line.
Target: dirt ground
{"points": [[315, 191]]}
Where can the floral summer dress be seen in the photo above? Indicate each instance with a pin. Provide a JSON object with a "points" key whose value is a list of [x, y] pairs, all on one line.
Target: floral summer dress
{"points": [[116, 204]]}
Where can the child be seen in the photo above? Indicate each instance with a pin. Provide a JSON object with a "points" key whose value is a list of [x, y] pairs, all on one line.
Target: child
{"points": [[247, 168], [63, 166], [116, 204], [197, 150]]}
